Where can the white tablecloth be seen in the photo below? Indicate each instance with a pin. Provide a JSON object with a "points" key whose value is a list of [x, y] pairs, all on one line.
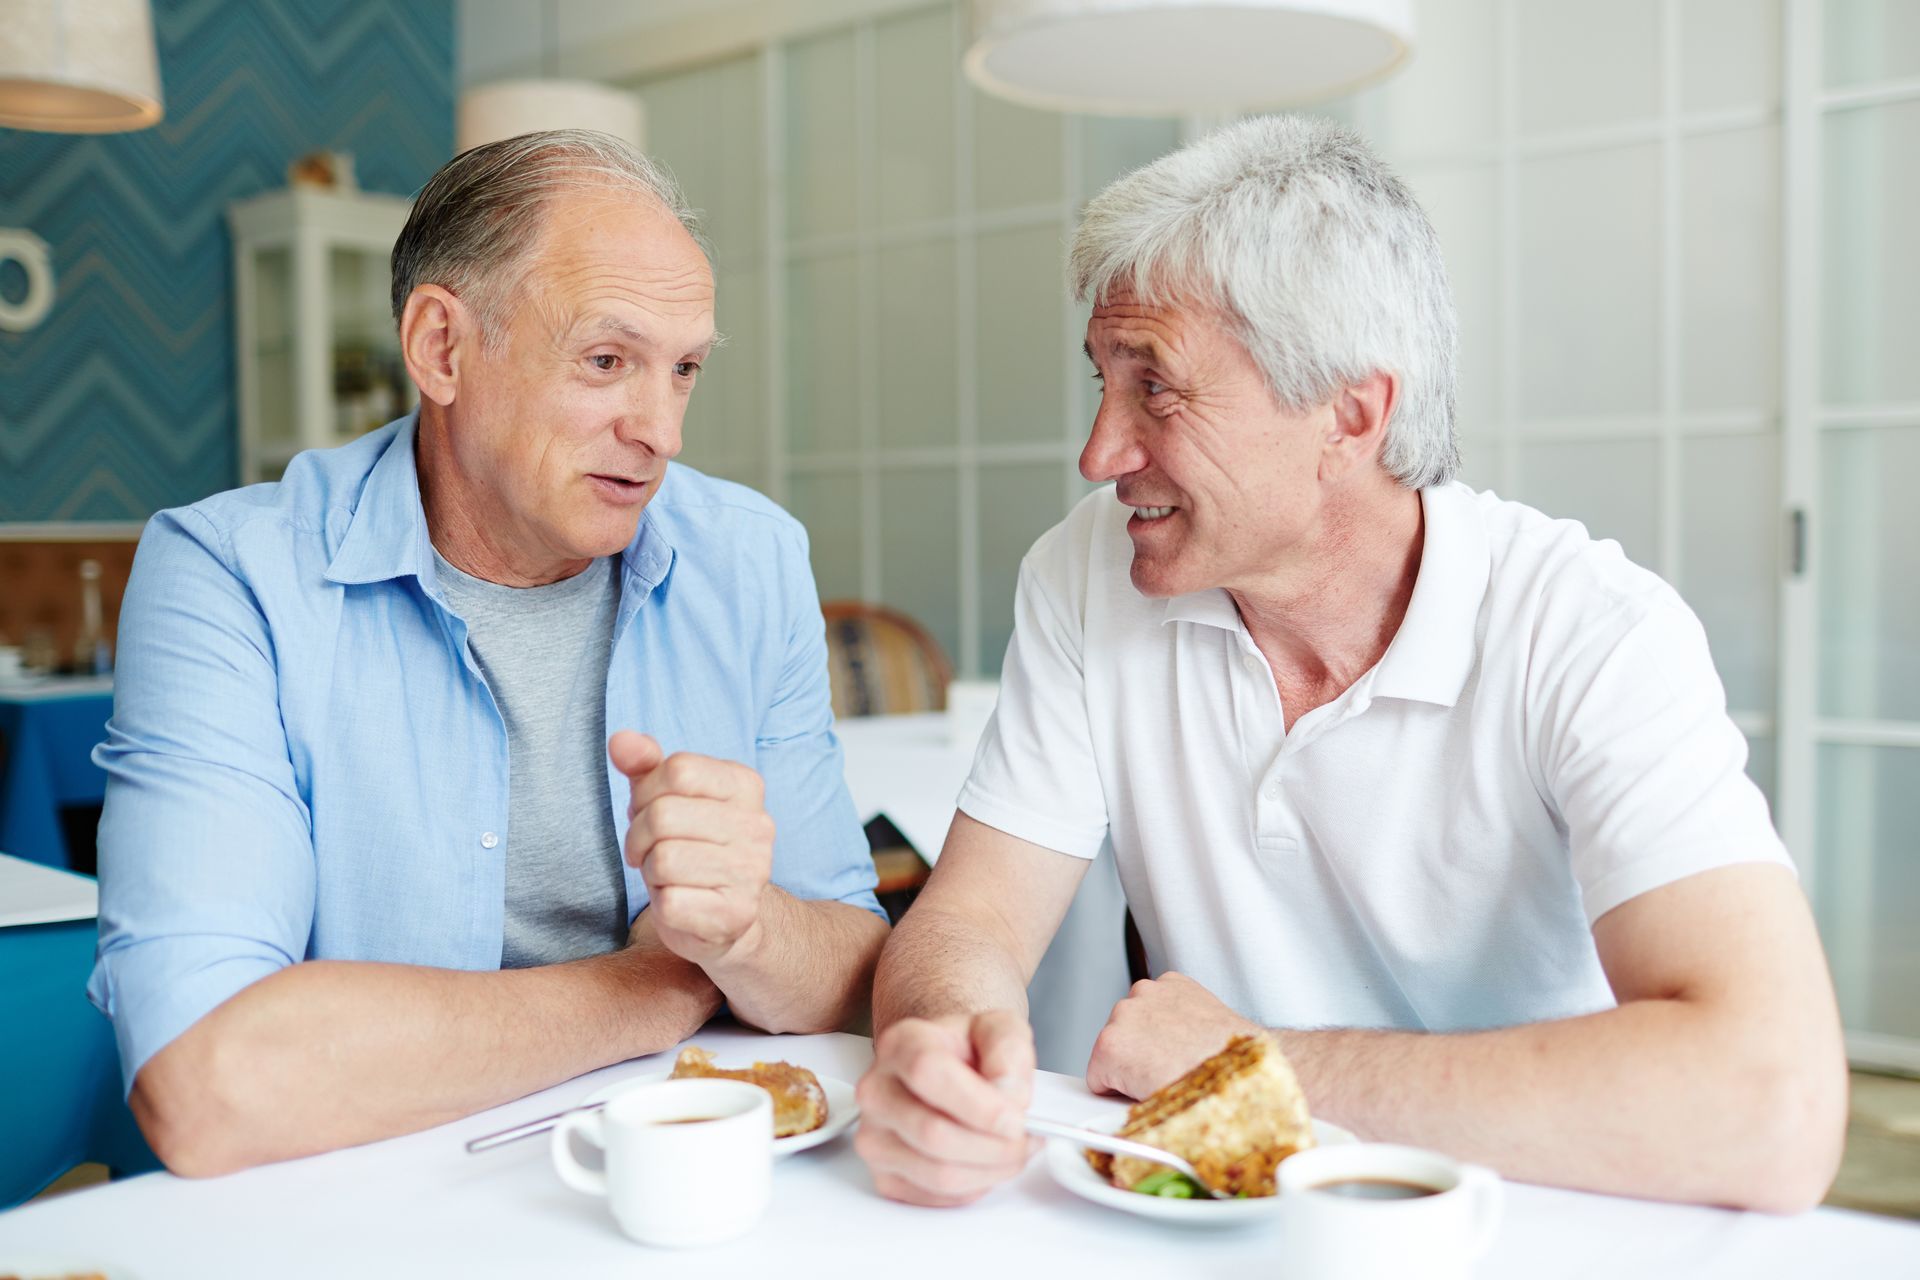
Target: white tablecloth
{"points": [[420, 1206], [33, 894], [907, 768]]}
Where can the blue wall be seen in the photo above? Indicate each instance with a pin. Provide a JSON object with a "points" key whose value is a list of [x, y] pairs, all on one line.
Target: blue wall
{"points": [[121, 401]]}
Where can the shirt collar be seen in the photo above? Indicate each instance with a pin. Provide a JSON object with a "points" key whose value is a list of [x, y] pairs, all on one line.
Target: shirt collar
{"points": [[387, 534], [1433, 652]]}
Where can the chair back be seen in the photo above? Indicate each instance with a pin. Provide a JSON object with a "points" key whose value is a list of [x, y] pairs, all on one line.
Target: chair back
{"points": [[881, 662]]}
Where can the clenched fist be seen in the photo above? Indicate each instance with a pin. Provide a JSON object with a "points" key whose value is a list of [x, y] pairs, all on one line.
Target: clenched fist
{"points": [[702, 840]]}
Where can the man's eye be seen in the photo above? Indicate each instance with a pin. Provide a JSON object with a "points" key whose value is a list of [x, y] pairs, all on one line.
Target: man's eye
{"points": [[605, 363], [1154, 388], [687, 368]]}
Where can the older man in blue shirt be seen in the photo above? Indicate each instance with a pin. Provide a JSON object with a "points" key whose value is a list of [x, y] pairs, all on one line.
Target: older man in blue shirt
{"points": [[369, 861]]}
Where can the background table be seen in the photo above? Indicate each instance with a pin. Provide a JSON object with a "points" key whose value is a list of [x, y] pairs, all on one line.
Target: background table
{"points": [[908, 768], [60, 1094], [420, 1205], [48, 730]]}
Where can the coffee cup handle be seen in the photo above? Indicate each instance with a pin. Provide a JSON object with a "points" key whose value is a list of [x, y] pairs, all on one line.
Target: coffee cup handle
{"points": [[1489, 1200], [576, 1175]]}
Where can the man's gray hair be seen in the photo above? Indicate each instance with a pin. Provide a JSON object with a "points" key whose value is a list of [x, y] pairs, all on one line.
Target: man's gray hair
{"points": [[475, 223], [1320, 259]]}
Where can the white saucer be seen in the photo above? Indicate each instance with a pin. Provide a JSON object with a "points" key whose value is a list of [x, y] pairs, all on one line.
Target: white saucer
{"points": [[1067, 1162], [842, 1110]]}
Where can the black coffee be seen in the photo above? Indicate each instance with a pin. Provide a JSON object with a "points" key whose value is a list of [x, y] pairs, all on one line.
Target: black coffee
{"points": [[1377, 1189]]}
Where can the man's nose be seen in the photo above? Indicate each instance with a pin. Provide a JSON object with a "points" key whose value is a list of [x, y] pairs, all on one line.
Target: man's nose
{"points": [[1113, 446], [654, 413]]}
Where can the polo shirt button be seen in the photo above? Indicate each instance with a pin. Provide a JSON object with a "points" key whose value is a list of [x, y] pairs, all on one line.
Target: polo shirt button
{"points": [[1273, 791], [489, 840], [1253, 664]]}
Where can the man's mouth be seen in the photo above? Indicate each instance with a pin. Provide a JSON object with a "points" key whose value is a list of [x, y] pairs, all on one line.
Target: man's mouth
{"points": [[618, 486], [1149, 514]]}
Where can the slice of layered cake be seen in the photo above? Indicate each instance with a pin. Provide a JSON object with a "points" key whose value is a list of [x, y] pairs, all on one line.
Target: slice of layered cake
{"points": [[799, 1103], [1234, 1117]]}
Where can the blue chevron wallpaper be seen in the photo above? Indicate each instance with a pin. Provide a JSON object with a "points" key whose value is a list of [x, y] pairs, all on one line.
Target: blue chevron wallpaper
{"points": [[121, 401]]}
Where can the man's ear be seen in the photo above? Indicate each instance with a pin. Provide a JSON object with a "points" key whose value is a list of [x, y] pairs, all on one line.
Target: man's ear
{"points": [[1358, 431], [437, 332]]}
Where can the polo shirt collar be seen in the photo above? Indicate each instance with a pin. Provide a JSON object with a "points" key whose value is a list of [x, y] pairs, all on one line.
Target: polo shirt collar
{"points": [[1434, 651], [387, 535]]}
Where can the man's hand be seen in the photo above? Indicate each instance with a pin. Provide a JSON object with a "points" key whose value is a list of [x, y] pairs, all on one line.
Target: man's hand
{"points": [[703, 841], [1160, 1031], [942, 1107]]}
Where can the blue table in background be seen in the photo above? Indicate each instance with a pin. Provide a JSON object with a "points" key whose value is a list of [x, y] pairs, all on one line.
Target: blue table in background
{"points": [[61, 1101], [48, 731]]}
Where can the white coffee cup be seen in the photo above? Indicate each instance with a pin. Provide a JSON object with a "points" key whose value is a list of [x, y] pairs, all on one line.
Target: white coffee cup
{"points": [[688, 1162], [1371, 1211]]}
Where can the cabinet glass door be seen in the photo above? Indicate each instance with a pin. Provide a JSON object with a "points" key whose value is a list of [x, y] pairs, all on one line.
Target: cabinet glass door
{"points": [[273, 350], [368, 385]]}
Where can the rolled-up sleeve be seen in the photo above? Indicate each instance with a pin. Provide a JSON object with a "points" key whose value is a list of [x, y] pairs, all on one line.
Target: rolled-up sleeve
{"points": [[820, 850], [206, 853]]}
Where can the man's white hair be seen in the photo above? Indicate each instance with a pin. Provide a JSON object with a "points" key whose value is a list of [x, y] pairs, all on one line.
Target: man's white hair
{"points": [[1320, 259]]}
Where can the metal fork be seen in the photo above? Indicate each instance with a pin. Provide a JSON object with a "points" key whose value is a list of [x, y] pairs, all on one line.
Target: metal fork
{"points": [[1122, 1147]]}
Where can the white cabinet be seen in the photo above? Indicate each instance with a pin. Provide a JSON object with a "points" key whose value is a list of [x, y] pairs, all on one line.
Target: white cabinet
{"points": [[317, 358]]}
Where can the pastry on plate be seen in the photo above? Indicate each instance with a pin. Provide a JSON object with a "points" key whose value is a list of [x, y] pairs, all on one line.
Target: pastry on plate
{"points": [[799, 1103], [1234, 1117]]}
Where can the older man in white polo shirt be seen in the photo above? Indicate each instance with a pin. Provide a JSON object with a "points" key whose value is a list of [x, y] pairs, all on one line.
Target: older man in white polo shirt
{"points": [[1438, 787]]}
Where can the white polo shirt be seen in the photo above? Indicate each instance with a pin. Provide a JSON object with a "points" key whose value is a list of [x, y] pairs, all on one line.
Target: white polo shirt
{"points": [[1544, 739]]}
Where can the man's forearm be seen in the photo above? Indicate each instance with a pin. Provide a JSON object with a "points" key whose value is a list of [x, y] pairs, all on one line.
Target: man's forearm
{"points": [[940, 963], [804, 967], [1657, 1098], [328, 1054]]}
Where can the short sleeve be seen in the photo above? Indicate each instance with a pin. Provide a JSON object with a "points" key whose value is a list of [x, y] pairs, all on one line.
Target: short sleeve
{"points": [[206, 851], [1644, 766], [1035, 775], [820, 850]]}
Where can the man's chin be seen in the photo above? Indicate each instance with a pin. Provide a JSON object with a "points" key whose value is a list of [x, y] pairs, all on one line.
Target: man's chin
{"points": [[1156, 579]]}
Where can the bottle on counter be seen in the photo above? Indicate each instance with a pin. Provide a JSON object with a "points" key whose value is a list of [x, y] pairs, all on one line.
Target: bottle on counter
{"points": [[92, 651]]}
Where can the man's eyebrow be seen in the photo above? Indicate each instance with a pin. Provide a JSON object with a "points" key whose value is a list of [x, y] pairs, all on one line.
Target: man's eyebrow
{"points": [[1148, 354], [633, 333], [614, 324]]}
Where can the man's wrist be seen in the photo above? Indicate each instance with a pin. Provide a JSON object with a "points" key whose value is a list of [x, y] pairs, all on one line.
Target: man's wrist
{"points": [[748, 950]]}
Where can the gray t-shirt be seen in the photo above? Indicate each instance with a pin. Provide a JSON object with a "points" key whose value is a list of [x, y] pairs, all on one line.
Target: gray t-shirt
{"points": [[544, 652]]}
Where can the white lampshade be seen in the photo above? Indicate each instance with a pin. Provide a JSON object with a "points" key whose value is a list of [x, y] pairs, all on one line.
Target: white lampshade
{"points": [[78, 66], [508, 108], [1174, 57]]}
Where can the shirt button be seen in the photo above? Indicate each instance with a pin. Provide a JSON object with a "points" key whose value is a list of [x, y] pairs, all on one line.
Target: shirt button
{"points": [[1273, 791], [1253, 664], [489, 840]]}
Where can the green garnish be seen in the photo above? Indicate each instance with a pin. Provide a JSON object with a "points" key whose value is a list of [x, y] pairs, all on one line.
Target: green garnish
{"points": [[1168, 1183]]}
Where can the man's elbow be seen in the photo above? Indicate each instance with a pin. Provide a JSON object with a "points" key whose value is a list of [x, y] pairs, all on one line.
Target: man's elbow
{"points": [[1801, 1120], [191, 1115]]}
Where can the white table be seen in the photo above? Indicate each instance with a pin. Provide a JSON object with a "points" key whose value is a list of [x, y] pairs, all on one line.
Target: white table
{"points": [[420, 1206], [35, 894], [907, 768]]}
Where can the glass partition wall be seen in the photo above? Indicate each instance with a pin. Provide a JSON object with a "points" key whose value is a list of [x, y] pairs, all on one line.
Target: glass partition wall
{"points": [[1690, 317]]}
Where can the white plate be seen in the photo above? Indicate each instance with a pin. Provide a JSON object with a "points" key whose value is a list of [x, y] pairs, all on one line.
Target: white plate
{"points": [[842, 1110], [1067, 1162]]}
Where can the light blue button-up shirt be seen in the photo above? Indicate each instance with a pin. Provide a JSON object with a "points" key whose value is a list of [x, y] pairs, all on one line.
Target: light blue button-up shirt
{"points": [[304, 761]]}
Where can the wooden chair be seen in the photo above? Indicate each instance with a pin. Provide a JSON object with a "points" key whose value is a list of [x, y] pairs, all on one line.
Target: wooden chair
{"points": [[881, 662]]}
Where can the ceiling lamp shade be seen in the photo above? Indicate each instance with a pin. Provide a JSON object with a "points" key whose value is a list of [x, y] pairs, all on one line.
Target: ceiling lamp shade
{"points": [[508, 108], [78, 66], [1176, 57]]}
